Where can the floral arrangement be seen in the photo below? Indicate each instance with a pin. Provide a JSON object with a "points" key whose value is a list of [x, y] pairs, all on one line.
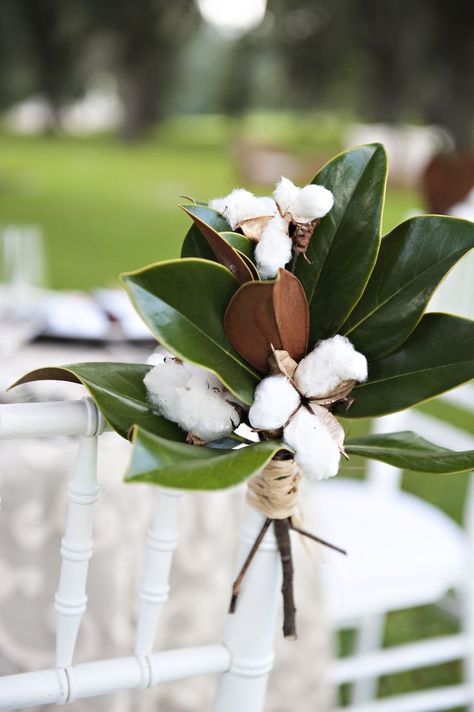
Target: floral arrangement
{"points": [[288, 314]]}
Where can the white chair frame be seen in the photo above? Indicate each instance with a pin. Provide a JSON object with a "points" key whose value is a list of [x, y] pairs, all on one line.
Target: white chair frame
{"points": [[243, 660], [370, 660]]}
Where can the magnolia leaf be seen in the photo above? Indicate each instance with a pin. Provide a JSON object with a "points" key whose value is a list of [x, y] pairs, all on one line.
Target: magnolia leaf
{"points": [[412, 260], [223, 251], [438, 355], [118, 391], [344, 247], [409, 451], [240, 243], [252, 268], [195, 244], [183, 303], [266, 315], [170, 464]]}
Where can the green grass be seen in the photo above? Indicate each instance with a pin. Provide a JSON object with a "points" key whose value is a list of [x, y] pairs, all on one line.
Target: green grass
{"points": [[106, 207]]}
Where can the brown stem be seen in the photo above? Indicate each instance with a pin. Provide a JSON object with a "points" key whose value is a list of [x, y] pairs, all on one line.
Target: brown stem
{"points": [[282, 534], [247, 562], [303, 532]]}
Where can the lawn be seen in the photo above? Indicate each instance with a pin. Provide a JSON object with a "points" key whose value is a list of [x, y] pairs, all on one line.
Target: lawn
{"points": [[105, 208]]}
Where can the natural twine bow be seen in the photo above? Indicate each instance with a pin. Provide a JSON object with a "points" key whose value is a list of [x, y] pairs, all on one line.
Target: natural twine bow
{"points": [[274, 490]]}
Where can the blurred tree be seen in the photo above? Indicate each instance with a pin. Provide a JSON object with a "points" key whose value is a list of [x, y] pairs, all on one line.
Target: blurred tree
{"points": [[39, 46], [388, 61], [148, 36], [43, 44]]}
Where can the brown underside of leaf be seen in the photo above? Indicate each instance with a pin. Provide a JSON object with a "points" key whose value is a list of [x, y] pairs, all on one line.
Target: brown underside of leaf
{"points": [[254, 227], [47, 374], [268, 315], [225, 253], [250, 265]]}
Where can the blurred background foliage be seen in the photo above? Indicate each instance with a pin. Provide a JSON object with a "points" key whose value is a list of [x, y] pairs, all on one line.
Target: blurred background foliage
{"points": [[111, 110]]}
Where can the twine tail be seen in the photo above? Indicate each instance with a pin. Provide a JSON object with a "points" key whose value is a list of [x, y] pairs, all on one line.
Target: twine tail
{"points": [[318, 539], [246, 564]]}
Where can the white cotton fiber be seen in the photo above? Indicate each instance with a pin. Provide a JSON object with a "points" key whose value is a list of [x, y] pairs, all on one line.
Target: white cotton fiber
{"points": [[193, 398], [332, 361], [312, 201], [302, 204], [285, 193], [275, 401], [241, 205], [158, 356], [316, 451], [274, 248]]}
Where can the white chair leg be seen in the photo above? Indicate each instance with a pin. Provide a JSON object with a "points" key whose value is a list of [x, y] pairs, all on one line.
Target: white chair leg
{"points": [[250, 630], [161, 542], [76, 550], [369, 638]]}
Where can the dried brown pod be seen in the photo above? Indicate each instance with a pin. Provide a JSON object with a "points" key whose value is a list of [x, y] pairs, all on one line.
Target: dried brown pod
{"points": [[225, 253], [192, 439], [281, 362], [254, 227], [302, 236], [338, 394], [331, 423], [263, 316]]}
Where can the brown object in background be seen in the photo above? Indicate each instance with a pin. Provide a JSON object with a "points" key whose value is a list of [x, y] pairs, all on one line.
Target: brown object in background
{"points": [[447, 180]]}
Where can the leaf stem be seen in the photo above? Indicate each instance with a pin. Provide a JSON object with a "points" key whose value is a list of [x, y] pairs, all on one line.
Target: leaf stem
{"points": [[282, 534]]}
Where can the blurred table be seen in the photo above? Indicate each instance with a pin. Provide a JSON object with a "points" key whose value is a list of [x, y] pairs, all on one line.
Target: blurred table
{"points": [[33, 482]]}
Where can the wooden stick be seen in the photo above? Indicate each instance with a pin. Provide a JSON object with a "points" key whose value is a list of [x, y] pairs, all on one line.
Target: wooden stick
{"points": [[247, 562], [282, 534], [303, 532]]}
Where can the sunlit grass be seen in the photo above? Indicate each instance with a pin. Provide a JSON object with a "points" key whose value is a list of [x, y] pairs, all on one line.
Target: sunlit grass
{"points": [[106, 207]]}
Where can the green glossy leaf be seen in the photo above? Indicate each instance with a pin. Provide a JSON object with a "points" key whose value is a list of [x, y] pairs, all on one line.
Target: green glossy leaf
{"points": [[409, 451], [413, 259], [195, 244], [224, 253], [119, 392], [183, 303], [240, 243], [344, 247], [170, 464], [251, 266], [438, 355]]}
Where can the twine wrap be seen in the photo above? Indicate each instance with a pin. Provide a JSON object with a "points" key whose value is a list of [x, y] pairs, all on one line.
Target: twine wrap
{"points": [[274, 490]]}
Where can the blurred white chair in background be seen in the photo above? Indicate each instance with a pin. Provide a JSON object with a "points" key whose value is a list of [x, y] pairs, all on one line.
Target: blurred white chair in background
{"points": [[403, 553]]}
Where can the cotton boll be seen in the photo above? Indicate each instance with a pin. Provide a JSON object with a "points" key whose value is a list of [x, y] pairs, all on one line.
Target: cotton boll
{"points": [[311, 202], [241, 205], [285, 193], [161, 383], [332, 361], [274, 249], [316, 452], [193, 398], [158, 356], [275, 401]]}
